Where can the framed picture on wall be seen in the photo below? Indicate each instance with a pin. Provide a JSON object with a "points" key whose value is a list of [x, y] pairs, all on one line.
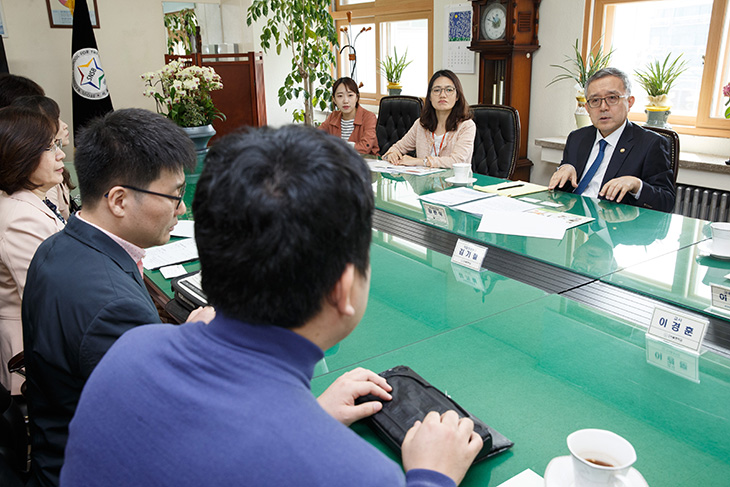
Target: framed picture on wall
{"points": [[59, 15], [3, 29]]}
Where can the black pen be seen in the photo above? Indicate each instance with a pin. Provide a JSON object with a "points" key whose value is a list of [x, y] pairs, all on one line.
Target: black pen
{"points": [[510, 187]]}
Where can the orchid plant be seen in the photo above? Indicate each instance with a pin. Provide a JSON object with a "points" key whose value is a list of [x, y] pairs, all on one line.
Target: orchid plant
{"points": [[184, 93], [726, 93]]}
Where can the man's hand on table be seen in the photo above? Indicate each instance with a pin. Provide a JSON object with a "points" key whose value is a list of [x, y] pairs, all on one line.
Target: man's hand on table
{"points": [[562, 175], [616, 189], [442, 442], [204, 314], [339, 398]]}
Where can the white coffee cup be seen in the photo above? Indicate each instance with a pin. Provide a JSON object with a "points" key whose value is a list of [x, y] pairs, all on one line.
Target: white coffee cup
{"points": [[462, 172], [601, 458], [720, 238]]}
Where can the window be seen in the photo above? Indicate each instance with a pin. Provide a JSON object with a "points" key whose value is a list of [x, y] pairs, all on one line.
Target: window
{"points": [[377, 28], [641, 31]]}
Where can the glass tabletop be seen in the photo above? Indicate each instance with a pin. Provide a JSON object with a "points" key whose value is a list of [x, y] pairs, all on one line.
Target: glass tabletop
{"points": [[621, 235], [682, 278], [416, 293], [539, 371]]}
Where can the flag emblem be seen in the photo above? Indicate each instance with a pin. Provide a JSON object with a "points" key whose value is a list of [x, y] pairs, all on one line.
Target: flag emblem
{"points": [[89, 79]]}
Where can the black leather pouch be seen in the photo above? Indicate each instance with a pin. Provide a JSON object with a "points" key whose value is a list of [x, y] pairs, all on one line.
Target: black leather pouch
{"points": [[413, 398]]}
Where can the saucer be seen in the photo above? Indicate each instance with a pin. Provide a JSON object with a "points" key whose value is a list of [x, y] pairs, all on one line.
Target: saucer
{"points": [[559, 473], [453, 180], [706, 248]]}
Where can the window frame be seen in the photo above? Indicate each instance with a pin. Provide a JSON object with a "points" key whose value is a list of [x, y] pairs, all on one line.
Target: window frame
{"points": [[599, 14], [377, 13]]}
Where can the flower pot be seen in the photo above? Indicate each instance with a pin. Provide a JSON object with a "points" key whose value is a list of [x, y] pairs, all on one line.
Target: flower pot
{"points": [[657, 117], [582, 119], [394, 88], [200, 137]]}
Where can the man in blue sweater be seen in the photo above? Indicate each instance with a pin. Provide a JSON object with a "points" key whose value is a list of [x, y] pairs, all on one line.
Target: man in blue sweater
{"points": [[283, 226]]}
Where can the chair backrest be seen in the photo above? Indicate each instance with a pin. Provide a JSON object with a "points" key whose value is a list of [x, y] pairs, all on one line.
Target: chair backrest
{"points": [[13, 441], [673, 147], [395, 117], [497, 140]]}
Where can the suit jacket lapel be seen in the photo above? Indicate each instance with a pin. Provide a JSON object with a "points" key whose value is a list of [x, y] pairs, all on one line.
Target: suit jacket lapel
{"points": [[96, 239], [620, 153]]}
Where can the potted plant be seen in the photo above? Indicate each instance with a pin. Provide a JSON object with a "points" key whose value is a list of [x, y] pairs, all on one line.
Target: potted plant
{"points": [[307, 28], [657, 80], [392, 68], [184, 97], [580, 69]]}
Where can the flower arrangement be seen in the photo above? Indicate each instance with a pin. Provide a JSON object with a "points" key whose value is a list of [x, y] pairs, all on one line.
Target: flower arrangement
{"points": [[184, 95], [726, 93]]}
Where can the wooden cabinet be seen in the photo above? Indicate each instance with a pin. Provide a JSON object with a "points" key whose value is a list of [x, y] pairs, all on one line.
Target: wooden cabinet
{"points": [[504, 33]]}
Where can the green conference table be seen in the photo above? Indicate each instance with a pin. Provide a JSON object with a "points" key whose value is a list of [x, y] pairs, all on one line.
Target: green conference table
{"points": [[626, 263], [541, 370], [533, 364]]}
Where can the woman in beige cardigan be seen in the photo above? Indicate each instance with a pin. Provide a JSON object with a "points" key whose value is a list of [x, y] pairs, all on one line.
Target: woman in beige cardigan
{"points": [[444, 134], [31, 163]]}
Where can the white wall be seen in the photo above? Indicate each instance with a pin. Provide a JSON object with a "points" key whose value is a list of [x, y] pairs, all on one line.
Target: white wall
{"points": [[132, 41]]}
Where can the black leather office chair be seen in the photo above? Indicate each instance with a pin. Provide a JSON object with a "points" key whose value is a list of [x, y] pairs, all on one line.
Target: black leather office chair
{"points": [[395, 117], [673, 147], [497, 140]]}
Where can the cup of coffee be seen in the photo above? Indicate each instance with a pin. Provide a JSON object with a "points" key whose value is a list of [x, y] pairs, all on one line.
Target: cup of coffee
{"points": [[720, 238], [462, 172], [601, 458]]}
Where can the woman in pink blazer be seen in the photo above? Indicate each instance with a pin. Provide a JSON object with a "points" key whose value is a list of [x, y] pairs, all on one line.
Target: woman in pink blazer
{"points": [[444, 134], [59, 195], [31, 163]]}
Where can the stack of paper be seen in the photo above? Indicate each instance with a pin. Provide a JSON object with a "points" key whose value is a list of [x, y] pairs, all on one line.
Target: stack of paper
{"points": [[453, 197], [512, 188]]}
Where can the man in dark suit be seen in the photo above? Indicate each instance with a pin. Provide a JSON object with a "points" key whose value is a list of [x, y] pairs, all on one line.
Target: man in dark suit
{"points": [[616, 159], [85, 286]]}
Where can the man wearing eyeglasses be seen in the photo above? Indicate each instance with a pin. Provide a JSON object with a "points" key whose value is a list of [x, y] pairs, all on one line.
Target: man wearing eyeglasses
{"points": [[615, 159], [85, 286]]}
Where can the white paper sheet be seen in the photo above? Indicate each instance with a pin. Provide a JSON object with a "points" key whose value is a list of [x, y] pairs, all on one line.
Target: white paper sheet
{"points": [[172, 253], [454, 196], [184, 228], [526, 478], [383, 166], [496, 203], [521, 224]]}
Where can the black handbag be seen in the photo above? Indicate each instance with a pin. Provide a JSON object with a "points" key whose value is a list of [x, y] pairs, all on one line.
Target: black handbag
{"points": [[413, 398]]}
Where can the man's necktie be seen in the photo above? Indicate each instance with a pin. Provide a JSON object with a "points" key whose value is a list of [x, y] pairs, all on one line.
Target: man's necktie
{"points": [[592, 170]]}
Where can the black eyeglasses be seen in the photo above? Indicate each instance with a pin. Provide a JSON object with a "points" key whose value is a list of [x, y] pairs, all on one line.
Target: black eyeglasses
{"points": [[611, 100], [168, 196]]}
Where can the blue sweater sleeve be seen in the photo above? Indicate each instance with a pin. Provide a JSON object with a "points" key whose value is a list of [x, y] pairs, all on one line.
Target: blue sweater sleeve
{"points": [[419, 477]]}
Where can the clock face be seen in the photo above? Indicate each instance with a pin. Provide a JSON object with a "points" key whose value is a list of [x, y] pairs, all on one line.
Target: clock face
{"points": [[494, 21]]}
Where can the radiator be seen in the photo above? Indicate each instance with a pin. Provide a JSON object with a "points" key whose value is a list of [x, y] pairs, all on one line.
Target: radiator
{"points": [[703, 203]]}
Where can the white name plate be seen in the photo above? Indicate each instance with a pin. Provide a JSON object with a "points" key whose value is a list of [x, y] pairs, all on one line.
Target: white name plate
{"points": [[678, 329], [672, 359], [720, 297], [468, 254], [435, 213]]}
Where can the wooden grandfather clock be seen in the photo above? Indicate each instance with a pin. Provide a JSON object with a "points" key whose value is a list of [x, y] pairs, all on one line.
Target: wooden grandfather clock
{"points": [[504, 33]]}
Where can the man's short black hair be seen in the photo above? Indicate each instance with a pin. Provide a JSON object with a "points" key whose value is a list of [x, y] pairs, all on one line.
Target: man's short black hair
{"points": [[130, 146], [13, 86], [279, 213]]}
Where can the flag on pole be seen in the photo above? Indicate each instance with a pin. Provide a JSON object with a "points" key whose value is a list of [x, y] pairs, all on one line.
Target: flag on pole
{"points": [[3, 58], [90, 94]]}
